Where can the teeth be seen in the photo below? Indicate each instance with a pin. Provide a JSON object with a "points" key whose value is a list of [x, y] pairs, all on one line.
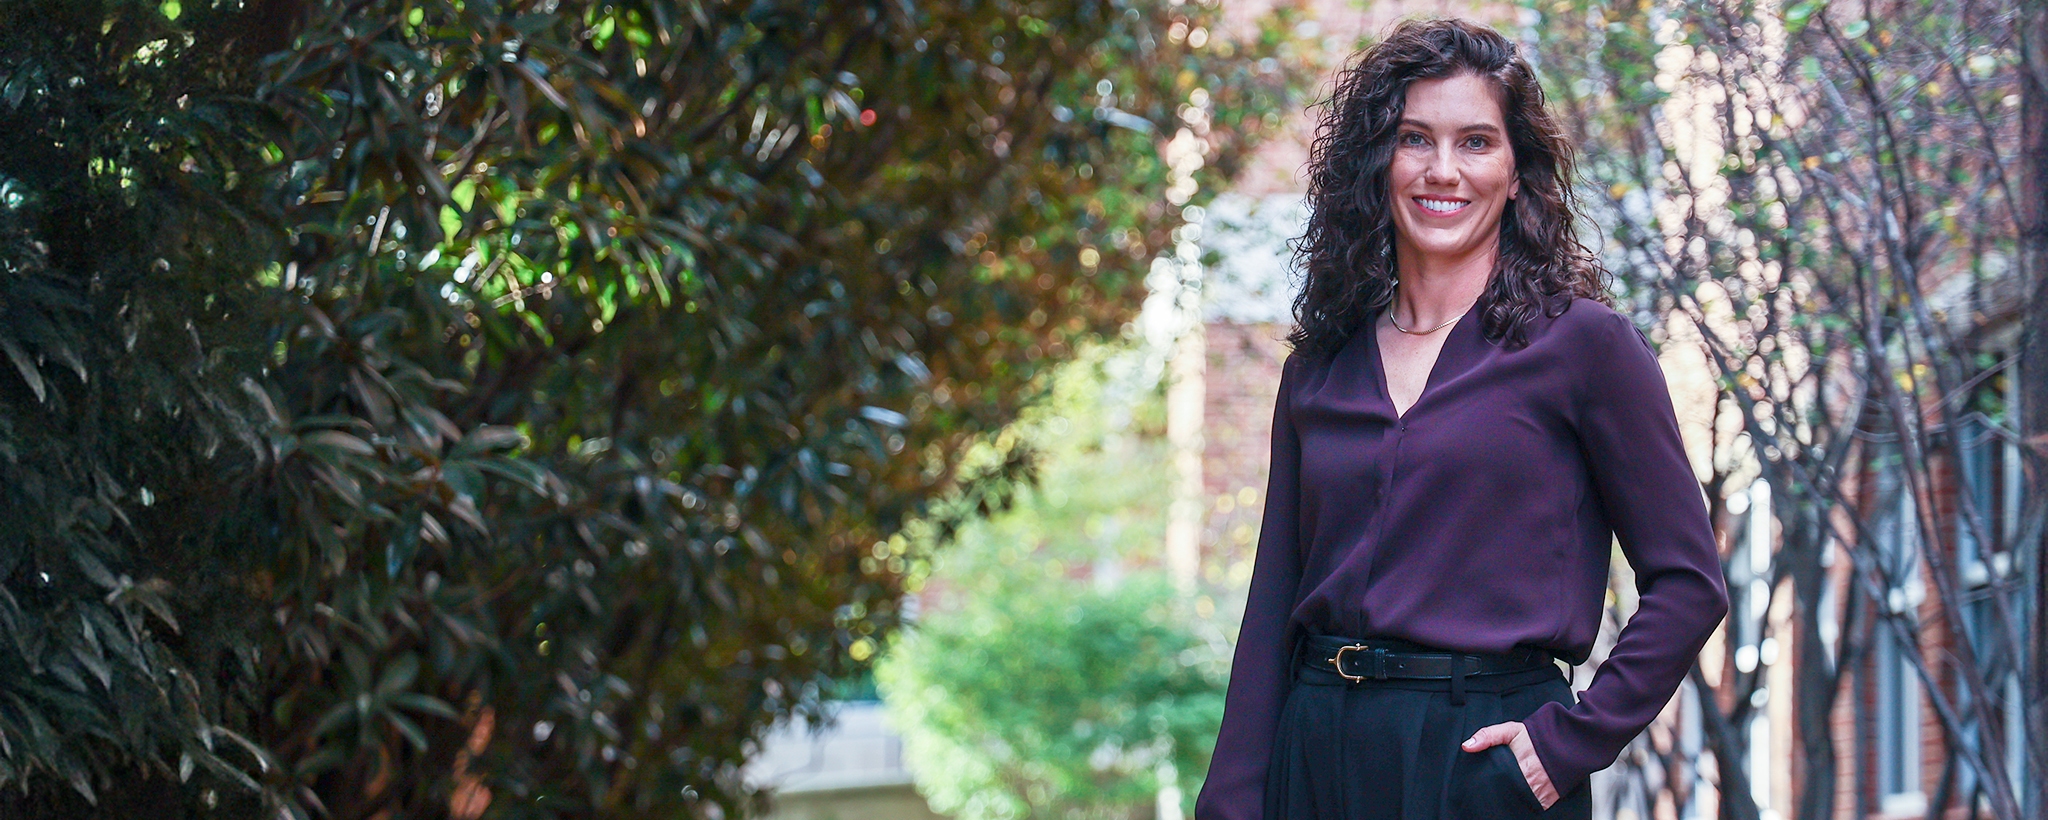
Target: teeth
{"points": [[1441, 205]]}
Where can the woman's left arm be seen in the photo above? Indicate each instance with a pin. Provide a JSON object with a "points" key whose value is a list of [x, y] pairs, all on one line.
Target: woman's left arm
{"points": [[1629, 436]]}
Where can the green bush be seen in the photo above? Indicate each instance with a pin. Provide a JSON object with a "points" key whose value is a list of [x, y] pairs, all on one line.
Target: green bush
{"points": [[416, 407], [1053, 671], [1054, 698]]}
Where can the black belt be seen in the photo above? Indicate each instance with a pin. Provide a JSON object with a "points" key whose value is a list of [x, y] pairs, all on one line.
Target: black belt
{"points": [[1362, 660]]}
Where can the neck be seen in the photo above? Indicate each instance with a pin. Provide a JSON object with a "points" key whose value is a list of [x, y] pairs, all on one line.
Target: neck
{"points": [[1433, 289]]}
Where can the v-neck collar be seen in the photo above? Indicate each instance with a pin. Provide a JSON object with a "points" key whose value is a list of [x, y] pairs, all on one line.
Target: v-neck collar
{"points": [[1456, 346]]}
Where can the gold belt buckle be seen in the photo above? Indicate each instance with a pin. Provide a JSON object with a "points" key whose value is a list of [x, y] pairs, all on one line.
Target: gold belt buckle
{"points": [[1378, 668]]}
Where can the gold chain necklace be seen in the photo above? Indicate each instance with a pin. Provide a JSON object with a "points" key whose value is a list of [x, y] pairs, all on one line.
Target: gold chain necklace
{"points": [[1397, 323]]}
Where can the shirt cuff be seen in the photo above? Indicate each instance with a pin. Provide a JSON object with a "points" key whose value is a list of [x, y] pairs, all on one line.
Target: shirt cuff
{"points": [[1567, 767]]}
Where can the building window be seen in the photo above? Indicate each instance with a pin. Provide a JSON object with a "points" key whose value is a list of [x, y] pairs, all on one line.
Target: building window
{"points": [[1898, 728], [1987, 524], [1988, 499], [1749, 575], [1897, 688]]}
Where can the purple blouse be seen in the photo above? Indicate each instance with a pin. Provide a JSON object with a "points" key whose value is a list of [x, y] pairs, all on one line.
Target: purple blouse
{"points": [[1481, 520]]}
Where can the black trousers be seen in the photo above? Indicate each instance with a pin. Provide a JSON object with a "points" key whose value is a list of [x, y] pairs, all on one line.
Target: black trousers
{"points": [[1389, 750]]}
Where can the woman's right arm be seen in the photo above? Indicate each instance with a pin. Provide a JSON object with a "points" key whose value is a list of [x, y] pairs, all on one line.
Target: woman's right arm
{"points": [[1260, 670]]}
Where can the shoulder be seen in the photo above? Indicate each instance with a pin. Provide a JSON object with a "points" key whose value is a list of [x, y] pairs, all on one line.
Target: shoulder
{"points": [[1589, 327], [1312, 365], [1298, 367], [1592, 352], [1608, 360], [1586, 316]]}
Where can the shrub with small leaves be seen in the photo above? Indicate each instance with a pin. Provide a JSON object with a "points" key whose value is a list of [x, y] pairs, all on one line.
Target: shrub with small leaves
{"points": [[447, 408]]}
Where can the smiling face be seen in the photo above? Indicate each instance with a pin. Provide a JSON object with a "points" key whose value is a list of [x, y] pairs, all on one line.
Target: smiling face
{"points": [[1452, 174]]}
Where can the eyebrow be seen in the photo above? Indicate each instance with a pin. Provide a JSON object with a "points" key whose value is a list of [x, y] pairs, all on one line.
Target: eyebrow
{"points": [[1477, 126]]}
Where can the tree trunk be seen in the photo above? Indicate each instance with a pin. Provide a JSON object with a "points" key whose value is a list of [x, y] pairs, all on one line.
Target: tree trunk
{"points": [[2032, 387], [1816, 684]]}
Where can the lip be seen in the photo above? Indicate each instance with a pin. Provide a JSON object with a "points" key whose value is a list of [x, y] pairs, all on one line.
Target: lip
{"points": [[1460, 205]]}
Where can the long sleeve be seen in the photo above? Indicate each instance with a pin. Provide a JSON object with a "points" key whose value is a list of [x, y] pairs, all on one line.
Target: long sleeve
{"points": [[1235, 788], [1646, 490]]}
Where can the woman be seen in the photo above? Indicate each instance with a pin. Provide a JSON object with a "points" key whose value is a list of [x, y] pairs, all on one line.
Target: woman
{"points": [[1463, 430]]}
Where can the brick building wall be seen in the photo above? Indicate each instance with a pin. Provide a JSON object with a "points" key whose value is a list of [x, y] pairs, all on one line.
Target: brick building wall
{"points": [[1853, 721], [1242, 375]]}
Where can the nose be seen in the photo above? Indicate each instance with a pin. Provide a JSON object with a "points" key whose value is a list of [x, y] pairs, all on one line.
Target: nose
{"points": [[1442, 168]]}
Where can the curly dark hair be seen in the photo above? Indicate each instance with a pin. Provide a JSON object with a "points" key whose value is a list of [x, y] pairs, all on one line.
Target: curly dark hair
{"points": [[1346, 256]]}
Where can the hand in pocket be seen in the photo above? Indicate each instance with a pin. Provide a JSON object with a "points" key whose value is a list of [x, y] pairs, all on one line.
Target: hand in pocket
{"points": [[1517, 740]]}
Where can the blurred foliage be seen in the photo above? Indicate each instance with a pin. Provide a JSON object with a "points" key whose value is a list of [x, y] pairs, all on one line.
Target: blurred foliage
{"points": [[432, 408], [1053, 672], [1052, 698], [1822, 196], [1098, 503]]}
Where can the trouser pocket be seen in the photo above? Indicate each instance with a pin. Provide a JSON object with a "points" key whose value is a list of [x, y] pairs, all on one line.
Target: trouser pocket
{"points": [[1490, 786]]}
